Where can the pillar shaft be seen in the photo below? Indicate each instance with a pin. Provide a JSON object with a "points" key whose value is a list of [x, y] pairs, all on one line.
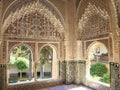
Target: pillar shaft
{"points": [[3, 77]]}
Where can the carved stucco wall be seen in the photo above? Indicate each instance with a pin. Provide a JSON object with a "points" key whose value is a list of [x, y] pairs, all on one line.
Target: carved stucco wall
{"points": [[94, 23], [33, 22], [117, 4], [22, 9], [33, 26], [57, 3], [0, 31], [96, 33], [107, 7], [68, 10]]}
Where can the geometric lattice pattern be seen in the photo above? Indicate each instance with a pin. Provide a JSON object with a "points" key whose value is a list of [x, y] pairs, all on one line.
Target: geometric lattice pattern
{"points": [[73, 71]]}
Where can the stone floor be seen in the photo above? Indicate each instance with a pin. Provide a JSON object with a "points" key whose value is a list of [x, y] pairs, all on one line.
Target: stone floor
{"points": [[68, 87]]}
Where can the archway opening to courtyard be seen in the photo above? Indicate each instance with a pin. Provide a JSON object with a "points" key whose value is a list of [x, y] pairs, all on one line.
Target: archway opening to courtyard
{"points": [[98, 63], [47, 67], [20, 66]]}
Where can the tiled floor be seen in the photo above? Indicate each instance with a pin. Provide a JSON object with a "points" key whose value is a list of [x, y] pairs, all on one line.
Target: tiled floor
{"points": [[68, 87]]}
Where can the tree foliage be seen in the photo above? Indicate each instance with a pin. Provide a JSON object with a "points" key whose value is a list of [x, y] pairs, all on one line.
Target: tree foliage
{"points": [[46, 54], [22, 64], [21, 51], [98, 69]]}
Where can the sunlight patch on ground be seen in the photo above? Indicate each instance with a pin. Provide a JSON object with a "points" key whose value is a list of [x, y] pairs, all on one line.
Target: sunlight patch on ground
{"points": [[79, 88]]}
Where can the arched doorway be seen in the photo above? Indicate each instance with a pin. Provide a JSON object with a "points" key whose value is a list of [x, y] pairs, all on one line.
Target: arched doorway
{"points": [[20, 64], [98, 63]]}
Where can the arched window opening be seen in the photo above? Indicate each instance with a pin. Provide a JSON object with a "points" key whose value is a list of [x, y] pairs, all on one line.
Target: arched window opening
{"points": [[46, 60], [99, 63], [20, 64]]}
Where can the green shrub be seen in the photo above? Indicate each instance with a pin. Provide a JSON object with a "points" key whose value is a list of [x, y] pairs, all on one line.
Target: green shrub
{"points": [[106, 78], [98, 69], [13, 80], [23, 79]]}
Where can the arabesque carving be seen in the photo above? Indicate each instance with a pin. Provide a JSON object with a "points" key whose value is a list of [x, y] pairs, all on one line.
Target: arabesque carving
{"points": [[33, 20], [94, 23]]}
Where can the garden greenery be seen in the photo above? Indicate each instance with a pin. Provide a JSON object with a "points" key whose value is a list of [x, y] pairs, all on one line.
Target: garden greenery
{"points": [[106, 78], [98, 69]]}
